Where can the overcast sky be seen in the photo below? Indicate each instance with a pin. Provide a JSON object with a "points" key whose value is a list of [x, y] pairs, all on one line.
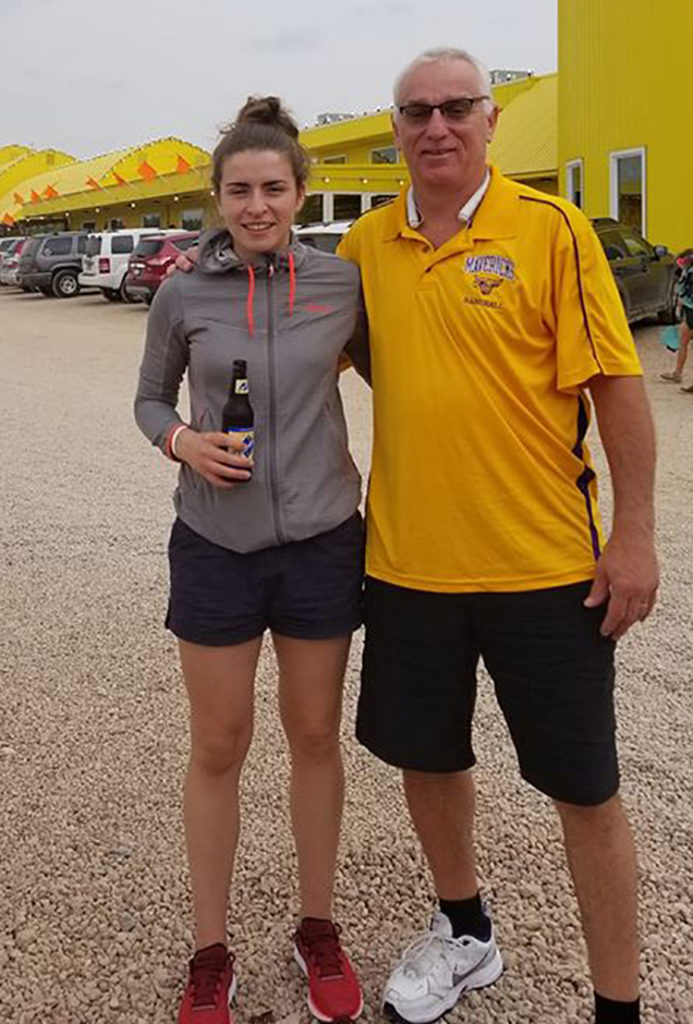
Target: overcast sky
{"points": [[89, 76]]}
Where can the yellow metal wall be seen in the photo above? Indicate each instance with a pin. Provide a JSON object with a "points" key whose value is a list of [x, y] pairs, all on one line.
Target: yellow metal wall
{"points": [[624, 83]]}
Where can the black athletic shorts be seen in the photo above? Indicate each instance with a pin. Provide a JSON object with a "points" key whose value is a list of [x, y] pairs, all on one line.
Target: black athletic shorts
{"points": [[552, 669], [309, 589]]}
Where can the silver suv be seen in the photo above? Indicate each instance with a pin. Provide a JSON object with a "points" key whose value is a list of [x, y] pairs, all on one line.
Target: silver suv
{"points": [[53, 264]]}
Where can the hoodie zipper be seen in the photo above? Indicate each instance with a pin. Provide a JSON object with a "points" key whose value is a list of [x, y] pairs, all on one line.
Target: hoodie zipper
{"points": [[272, 377]]}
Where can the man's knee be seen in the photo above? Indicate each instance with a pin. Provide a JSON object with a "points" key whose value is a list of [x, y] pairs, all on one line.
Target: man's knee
{"points": [[590, 815]]}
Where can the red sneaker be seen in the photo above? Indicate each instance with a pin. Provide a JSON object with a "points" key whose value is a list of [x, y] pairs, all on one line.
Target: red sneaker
{"points": [[333, 988], [210, 989]]}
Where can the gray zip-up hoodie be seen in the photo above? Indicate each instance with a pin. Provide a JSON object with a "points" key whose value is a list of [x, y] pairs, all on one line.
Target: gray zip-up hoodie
{"points": [[289, 316]]}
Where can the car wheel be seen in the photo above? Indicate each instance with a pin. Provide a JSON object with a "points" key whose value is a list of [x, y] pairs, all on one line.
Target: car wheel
{"points": [[65, 284], [125, 294], [111, 294], [668, 314]]}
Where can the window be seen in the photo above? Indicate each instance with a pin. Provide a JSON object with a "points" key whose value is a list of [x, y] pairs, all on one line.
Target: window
{"points": [[384, 155], [57, 247], [613, 245], [312, 210], [628, 188], [637, 246], [347, 206], [384, 198], [82, 244], [149, 246], [115, 224], [191, 220], [186, 243], [94, 245], [574, 172], [121, 244], [339, 159], [151, 220], [88, 225]]}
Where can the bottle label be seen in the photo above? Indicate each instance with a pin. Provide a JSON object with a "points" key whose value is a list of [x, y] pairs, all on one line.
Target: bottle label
{"points": [[246, 437], [241, 387]]}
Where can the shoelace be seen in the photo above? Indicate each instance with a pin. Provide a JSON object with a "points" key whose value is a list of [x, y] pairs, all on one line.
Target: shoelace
{"points": [[206, 974], [321, 942], [419, 957]]}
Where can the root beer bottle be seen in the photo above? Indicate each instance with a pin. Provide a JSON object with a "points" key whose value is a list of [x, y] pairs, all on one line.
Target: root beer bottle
{"points": [[237, 416]]}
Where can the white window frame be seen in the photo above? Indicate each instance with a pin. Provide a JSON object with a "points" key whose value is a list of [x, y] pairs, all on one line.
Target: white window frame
{"points": [[569, 168], [614, 157]]}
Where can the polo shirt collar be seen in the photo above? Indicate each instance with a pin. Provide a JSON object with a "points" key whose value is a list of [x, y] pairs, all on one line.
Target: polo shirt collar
{"points": [[464, 215], [496, 215]]}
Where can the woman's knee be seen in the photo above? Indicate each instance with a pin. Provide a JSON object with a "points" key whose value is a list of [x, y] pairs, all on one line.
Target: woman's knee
{"points": [[217, 752], [313, 743]]}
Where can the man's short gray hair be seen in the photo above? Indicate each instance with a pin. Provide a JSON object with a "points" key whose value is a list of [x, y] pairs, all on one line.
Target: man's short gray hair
{"points": [[444, 53]]}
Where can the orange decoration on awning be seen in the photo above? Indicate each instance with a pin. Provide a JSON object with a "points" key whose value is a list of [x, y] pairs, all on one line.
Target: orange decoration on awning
{"points": [[49, 192], [92, 183], [119, 180], [18, 199], [146, 171], [7, 219], [182, 167], [35, 197]]}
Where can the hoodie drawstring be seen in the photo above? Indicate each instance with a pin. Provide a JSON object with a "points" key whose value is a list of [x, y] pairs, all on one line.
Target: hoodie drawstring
{"points": [[250, 302], [249, 311], [292, 282]]}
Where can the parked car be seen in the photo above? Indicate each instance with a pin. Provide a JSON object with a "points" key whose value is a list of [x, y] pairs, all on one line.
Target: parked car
{"points": [[645, 274], [26, 261], [10, 263], [105, 263], [8, 245], [152, 258], [325, 235], [53, 263]]}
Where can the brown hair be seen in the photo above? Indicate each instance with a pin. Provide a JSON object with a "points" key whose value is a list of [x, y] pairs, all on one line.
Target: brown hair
{"points": [[261, 123]]}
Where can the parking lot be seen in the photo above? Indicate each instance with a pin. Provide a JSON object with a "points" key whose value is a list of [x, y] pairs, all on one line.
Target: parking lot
{"points": [[94, 904]]}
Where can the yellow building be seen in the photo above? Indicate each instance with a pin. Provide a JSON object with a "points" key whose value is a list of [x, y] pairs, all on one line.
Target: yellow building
{"points": [[355, 166], [625, 147]]}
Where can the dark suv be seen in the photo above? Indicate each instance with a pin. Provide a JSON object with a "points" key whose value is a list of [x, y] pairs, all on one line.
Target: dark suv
{"points": [[53, 264], [645, 274]]}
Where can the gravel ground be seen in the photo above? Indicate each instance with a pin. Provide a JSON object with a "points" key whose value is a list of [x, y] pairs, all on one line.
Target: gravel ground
{"points": [[94, 904]]}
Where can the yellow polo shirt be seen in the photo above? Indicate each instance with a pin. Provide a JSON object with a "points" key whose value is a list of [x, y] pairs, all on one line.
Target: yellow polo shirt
{"points": [[481, 479]]}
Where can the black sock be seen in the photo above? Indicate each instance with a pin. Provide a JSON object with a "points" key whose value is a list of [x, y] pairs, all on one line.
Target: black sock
{"points": [[612, 1011], [467, 918]]}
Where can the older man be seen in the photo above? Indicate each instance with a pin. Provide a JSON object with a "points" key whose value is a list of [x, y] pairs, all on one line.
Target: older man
{"points": [[492, 315]]}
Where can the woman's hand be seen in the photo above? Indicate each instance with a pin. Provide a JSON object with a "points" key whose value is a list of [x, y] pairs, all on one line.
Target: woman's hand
{"points": [[214, 456]]}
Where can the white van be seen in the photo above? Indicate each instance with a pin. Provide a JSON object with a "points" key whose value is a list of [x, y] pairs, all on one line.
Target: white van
{"points": [[325, 235], [105, 263]]}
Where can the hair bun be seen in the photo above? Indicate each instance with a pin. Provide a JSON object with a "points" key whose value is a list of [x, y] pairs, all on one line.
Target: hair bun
{"points": [[267, 110]]}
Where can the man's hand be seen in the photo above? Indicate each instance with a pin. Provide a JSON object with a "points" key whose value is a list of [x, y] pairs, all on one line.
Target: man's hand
{"points": [[208, 453], [627, 577], [185, 261]]}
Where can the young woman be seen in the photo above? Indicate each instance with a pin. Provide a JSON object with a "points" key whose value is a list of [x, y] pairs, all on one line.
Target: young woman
{"points": [[274, 543]]}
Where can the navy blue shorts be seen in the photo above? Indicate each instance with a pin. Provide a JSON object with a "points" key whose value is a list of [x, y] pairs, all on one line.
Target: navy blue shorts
{"points": [[308, 589], [552, 670]]}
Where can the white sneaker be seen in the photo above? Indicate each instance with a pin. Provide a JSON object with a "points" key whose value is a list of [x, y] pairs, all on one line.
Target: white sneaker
{"points": [[435, 970]]}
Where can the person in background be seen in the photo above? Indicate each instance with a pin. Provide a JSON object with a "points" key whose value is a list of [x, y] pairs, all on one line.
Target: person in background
{"points": [[494, 326], [684, 289], [274, 544]]}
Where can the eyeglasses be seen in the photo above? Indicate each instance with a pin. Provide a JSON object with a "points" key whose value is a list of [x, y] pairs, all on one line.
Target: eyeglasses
{"points": [[452, 110]]}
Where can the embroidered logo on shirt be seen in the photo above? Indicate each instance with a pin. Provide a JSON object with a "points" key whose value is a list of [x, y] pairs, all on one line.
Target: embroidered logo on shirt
{"points": [[486, 284], [501, 266]]}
